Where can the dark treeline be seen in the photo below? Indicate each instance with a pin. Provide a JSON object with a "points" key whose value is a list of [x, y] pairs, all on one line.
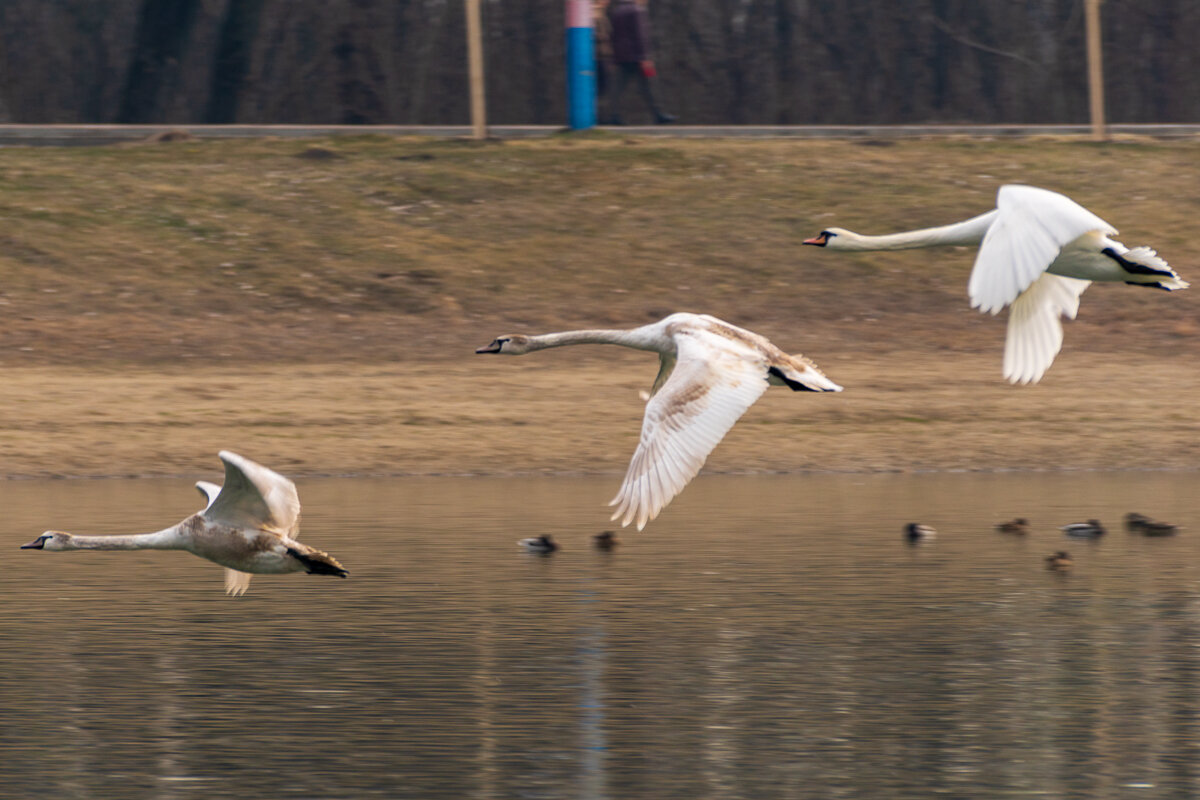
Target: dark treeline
{"points": [[720, 61]]}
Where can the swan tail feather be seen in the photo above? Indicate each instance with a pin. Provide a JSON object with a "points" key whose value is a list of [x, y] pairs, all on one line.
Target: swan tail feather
{"points": [[317, 562], [802, 376], [1151, 269]]}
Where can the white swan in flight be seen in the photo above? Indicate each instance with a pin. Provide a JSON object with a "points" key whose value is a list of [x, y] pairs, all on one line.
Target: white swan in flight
{"points": [[710, 372], [1038, 251], [249, 526]]}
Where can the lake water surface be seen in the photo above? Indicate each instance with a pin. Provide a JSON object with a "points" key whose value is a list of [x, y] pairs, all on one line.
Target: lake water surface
{"points": [[766, 637]]}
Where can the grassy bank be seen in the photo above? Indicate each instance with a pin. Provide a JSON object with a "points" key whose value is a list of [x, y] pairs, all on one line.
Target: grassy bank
{"points": [[553, 414], [316, 303]]}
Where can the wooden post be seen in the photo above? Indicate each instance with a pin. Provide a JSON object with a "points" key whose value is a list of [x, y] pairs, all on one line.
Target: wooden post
{"points": [[475, 68], [1095, 70]]}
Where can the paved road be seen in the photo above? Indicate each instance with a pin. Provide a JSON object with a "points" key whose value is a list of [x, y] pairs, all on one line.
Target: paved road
{"points": [[109, 134]]}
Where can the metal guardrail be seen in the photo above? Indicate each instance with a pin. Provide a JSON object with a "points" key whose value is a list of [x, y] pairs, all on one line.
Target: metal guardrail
{"points": [[58, 135]]}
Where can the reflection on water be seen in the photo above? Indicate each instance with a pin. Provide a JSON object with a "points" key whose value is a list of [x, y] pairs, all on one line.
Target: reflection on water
{"points": [[766, 637]]}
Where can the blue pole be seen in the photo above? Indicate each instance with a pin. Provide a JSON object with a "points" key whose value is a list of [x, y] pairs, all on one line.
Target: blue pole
{"points": [[581, 66]]}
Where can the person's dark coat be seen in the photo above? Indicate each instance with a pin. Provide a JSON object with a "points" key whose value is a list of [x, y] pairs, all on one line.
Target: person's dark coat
{"points": [[630, 32]]}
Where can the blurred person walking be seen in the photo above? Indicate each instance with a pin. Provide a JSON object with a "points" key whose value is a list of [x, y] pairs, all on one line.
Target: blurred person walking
{"points": [[629, 32], [602, 42]]}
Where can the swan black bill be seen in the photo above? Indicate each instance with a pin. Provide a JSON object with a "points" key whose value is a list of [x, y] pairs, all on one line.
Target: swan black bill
{"points": [[37, 544], [494, 347]]}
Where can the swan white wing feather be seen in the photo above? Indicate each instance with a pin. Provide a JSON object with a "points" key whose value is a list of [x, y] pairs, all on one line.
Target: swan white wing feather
{"points": [[208, 491], [254, 496], [713, 383], [236, 582], [1035, 328], [1032, 226]]}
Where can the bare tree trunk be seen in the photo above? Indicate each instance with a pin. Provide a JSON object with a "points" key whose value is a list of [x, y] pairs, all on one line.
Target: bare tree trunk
{"points": [[163, 28], [238, 32], [720, 61], [5, 117]]}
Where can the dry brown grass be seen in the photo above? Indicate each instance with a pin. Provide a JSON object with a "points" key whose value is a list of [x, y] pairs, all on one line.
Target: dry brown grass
{"points": [[549, 413], [162, 301]]}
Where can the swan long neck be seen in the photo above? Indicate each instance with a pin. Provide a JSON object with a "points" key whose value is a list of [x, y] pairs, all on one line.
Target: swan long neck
{"points": [[171, 538], [967, 232], [635, 338]]}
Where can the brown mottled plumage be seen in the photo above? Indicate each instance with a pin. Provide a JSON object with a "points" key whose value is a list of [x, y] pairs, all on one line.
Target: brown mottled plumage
{"points": [[1060, 561], [249, 527], [1018, 526]]}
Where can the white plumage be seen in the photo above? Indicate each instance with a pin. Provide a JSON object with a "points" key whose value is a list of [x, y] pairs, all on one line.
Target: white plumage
{"points": [[208, 491], [1038, 251], [710, 373], [249, 526], [251, 497]]}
